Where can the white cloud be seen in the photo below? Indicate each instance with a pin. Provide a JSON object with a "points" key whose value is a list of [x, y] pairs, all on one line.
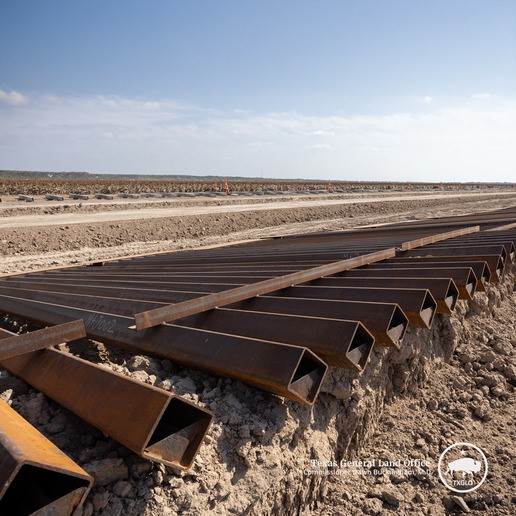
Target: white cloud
{"points": [[261, 144], [319, 146], [481, 96], [427, 100], [322, 133], [470, 141], [13, 98]]}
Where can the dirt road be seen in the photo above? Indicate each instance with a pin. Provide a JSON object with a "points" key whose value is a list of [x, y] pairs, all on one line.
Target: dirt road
{"points": [[168, 211]]}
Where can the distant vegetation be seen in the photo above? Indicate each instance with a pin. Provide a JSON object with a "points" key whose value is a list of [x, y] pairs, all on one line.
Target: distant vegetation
{"points": [[88, 176], [90, 186]]}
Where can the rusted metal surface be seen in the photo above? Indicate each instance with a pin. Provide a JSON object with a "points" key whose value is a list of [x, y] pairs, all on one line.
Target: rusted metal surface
{"points": [[268, 365], [413, 244], [160, 315], [35, 476], [40, 339], [273, 312], [333, 340], [385, 321], [494, 261], [417, 304], [459, 251], [107, 261], [443, 290], [505, 227], [464, 277], [339, 343], [480, 268], [149, 421], [507, 245]]}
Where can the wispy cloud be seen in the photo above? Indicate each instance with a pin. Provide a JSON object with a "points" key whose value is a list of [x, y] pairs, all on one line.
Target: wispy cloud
{"points": [[319, 146], [427, 100], [481, 96], [13, 98], [465, 142]]}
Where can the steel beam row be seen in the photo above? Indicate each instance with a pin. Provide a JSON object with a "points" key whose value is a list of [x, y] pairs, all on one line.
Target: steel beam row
{"points": [[249, 302]]}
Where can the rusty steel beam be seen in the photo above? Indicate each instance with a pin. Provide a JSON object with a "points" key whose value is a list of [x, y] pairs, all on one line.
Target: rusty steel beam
{"points": [[507, 238], [173, 312], [458, 251], [289, 371], [40, 339], [385, 321], [481, 269], [141, 293], [164, 279], [35, 476], [106, 261], [419, 242], [508, 245], [201, 288], [444, 290], [417, 304], [505, 227], [464, 277], [152, 422], [198, 269], [494, 261], [341, 343]]}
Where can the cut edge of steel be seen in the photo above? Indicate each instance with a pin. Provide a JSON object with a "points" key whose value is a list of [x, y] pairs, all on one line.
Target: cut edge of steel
{"points": [[419, 242], [40, 339], [35, 475], [172, 312]]}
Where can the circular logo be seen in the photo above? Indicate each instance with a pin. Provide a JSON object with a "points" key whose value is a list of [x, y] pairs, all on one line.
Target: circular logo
{"points": [[462, 467]]}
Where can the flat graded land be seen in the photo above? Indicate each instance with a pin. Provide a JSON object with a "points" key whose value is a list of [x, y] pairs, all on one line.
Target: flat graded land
{"points": [[67, 233]]}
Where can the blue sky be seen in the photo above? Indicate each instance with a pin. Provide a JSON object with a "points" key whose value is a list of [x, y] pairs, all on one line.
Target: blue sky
{"points": [[371, 89]]}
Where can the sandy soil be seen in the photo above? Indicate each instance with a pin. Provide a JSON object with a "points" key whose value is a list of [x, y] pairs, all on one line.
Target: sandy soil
{"points": [[468, 397], [453, 383]]}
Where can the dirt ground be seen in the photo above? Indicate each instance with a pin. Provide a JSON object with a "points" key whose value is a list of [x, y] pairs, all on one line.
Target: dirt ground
{"points": [[454, 383], [66, 234]]}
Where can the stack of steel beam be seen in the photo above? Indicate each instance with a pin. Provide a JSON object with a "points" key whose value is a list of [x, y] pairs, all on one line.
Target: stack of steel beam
{"points": [[275, 312]]}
